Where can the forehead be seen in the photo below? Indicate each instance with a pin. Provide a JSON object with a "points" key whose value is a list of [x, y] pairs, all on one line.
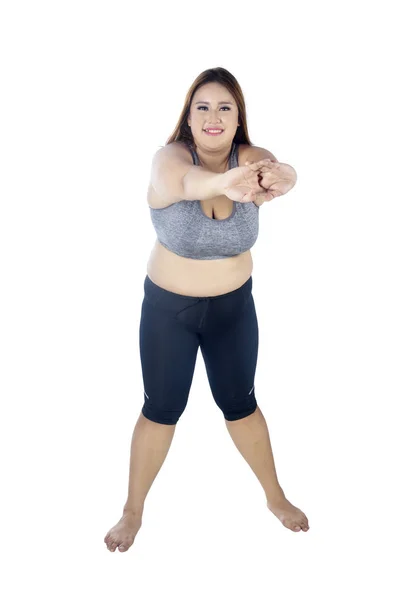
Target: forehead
{"points": [[210, 92]]}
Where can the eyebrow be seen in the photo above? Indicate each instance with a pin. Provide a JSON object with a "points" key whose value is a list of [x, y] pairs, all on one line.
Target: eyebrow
{"points": [[201, 102]]}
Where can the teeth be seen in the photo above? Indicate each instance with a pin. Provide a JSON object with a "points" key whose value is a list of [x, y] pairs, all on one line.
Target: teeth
{"points": [[214, 130]]}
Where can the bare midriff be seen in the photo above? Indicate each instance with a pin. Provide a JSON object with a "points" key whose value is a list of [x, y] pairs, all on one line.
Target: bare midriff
{"points": [[191, 277]]}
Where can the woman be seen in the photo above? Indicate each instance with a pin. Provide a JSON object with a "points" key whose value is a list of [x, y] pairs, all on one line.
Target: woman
{"points": [[206, 187]]}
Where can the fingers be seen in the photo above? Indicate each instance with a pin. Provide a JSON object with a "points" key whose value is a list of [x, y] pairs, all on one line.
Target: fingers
{"points": [[265, 197], [263, 160], [254, 196], [249, 197], [259, 164], [256, 162]]}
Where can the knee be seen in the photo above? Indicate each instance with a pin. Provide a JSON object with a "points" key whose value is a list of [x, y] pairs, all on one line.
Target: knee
{"points": [[161, 414], [240, 414], [238, 408]]}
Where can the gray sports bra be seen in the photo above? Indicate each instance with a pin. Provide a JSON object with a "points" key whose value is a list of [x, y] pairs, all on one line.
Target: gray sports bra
{"points": [[183, 227]]}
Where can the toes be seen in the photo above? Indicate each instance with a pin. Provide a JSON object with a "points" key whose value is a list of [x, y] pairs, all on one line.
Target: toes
{"points": [[122, 548], [291, 525], [304, 524]]}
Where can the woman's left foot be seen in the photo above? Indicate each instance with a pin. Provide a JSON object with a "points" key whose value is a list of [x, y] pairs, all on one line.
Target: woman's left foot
{"points": [[290, 516]]}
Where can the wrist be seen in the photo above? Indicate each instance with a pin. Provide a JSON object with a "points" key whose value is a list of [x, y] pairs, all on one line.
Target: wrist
{"points": [[217, 184]]}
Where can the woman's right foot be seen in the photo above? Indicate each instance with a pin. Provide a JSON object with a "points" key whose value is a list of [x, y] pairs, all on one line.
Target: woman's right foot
{"points": [[122, 535]]}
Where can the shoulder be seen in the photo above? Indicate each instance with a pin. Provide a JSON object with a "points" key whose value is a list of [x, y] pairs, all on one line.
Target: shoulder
{"points": [[169, 163], [175, 149], [171, 157], [253, 153]]}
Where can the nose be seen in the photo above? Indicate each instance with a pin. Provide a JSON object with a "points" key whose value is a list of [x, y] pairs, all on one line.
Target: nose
{"points": [[214, 116]]}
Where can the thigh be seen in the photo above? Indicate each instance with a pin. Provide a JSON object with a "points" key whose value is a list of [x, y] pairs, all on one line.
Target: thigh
{"points": [[168, 354], [230, 357]]}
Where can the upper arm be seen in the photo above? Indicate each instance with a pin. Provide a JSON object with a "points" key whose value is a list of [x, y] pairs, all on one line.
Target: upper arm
{"points": [[255, 153], [169, 166]]}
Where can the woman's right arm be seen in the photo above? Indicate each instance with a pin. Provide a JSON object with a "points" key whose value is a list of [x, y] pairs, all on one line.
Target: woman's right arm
{"points": [[174, 177]]}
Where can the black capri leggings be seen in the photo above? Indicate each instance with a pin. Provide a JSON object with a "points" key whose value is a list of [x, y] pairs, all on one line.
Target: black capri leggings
{"points": [[172, 328]]}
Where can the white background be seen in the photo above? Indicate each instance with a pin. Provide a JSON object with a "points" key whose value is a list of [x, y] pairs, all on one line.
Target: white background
{"points": [[90, 91]]}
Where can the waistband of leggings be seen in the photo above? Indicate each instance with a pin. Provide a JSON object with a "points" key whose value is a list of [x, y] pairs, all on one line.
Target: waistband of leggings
{"points": [[154, 291]]}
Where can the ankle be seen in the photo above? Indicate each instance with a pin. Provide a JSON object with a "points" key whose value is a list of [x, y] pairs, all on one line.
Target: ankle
{"points": [[133, 511], [275, 495]]}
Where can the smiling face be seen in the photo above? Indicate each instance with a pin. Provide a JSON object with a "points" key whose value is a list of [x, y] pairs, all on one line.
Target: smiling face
{"points": [[213, 107]]}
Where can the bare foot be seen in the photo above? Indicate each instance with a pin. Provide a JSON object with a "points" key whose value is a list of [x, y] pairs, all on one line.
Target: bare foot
{"points": [[122, 535], [290, 516]]}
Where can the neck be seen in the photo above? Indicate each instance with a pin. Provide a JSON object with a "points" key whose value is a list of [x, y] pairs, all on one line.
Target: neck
{"points": [[215, 160]]}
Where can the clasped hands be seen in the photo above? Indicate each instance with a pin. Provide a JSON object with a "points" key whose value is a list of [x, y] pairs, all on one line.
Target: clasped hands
{"points": [[274, 178]]}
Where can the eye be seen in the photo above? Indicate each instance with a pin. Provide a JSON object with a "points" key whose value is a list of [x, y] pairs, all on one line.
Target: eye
{"points": [[227, 107]]}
